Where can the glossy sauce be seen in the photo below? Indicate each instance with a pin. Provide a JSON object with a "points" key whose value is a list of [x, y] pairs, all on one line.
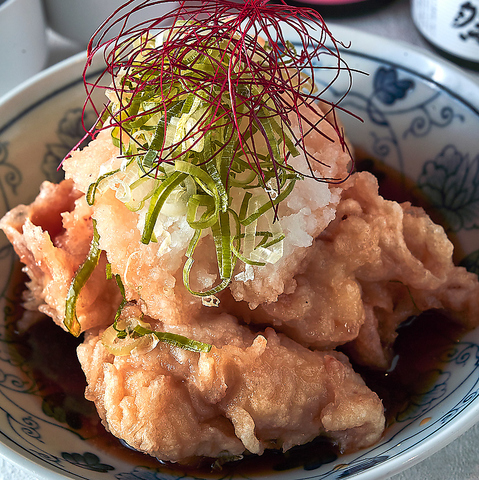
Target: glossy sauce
{"points": [[50, 354]]}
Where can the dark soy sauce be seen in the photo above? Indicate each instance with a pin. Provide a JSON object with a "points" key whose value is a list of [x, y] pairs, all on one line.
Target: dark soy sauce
{"points": [[419, 354], [48, 353]]}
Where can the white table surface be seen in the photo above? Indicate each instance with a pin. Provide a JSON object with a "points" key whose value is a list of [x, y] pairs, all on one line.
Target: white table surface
{"points": [[460, 459]]}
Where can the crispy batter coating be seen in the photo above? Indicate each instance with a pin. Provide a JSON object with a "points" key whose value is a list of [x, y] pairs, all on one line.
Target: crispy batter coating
{"points": [[250, 392], [152, 272], [413, 273], [304, 214], [376, 264], [52, 237], [354, 267]]}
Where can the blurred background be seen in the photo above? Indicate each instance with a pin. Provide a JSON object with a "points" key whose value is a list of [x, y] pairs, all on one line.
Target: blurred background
{"points": [[35, 34]]}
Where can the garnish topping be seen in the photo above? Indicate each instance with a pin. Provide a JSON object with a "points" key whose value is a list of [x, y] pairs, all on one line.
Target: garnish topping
{"points": [[201, 102], [131, 335], [79, 280]]}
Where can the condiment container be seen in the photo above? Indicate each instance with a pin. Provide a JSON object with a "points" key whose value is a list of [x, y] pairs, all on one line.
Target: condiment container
{"points": [[23, 44], [452, 26]]}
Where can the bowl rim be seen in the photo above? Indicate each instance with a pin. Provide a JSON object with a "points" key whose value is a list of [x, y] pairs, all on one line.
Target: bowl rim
{"points": [[432, 68]]}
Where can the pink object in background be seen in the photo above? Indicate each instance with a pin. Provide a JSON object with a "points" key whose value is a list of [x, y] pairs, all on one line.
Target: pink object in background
{"points": [[335, 2]]}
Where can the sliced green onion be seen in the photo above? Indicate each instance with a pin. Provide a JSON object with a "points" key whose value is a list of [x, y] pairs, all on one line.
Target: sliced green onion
{"points": [[108, 272], [222, 238], [175, 340], [92, 189], [205, 148], [268, 205], [220, 188], [189, 264], [134, 336], [208, 218], [157, 201], [120, 340], [79, 280]]}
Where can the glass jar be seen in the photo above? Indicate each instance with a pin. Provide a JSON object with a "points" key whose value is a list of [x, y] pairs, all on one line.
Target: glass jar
{"points": [[452, 26]]}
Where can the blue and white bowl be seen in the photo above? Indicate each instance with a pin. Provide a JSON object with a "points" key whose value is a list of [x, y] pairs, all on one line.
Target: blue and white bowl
{"points": [[420, 116]]}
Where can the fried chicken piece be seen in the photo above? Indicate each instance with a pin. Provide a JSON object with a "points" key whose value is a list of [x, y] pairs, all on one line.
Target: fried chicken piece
{"points": [[249, 393], [375, 265], [148, 272], [152, 272], [52, 237], [303, 215], [413, 272]]}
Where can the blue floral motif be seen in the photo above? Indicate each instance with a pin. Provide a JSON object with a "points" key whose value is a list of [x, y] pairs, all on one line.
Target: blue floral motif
{"points": [[451, 184], [387, 90], [47, 457], [387, 86], [471, 262], [395, 107], [28, 426], [70, 132], [461, 354], [422, 402], [14, 383], [88, 460], [10, 175], [361, 465], [465, 402], [427, 118], [9, 356], [146, 473]]}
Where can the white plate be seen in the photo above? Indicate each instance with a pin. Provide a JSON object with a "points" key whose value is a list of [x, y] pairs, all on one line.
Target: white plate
{"points": [[421, 116]]}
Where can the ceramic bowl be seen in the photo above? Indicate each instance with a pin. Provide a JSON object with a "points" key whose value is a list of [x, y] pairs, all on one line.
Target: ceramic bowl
{"points": [[420, 117]]}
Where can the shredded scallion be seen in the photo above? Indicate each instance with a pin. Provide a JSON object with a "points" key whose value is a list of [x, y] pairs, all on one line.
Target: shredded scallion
{"points": [[78, 282], [188, 146]]}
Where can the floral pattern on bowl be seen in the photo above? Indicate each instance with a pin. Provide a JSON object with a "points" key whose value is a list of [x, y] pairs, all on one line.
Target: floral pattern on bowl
{"points": [[412, 123]]}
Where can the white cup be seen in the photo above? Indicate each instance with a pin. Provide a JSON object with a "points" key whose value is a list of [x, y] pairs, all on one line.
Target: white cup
{"points": [[79, 19], [23, 44]]}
